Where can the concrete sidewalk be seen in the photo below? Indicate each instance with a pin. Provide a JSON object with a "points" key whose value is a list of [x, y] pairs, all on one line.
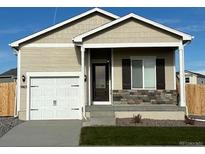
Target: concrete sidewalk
{"points": [[43, 134]]}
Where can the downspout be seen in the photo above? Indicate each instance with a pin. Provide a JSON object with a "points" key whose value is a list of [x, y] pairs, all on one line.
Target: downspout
{"points": [[82, 49]]}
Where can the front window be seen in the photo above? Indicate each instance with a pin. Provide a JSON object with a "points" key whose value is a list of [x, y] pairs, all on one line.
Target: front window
{"points": [[137, 73], [187, 80], [144, 73]]}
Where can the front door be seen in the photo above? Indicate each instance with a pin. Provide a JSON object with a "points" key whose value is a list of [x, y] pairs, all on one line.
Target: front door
{"points": [[100, 82]]}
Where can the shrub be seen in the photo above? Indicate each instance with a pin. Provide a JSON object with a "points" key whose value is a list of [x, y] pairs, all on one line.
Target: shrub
{"points": [[137, 119]]}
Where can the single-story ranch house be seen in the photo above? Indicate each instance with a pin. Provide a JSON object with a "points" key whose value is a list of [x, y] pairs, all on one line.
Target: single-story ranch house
{"points": [[100, 62]]}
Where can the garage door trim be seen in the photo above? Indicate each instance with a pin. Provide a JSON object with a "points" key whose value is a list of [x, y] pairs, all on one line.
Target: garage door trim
{"points": [[29, 75]]}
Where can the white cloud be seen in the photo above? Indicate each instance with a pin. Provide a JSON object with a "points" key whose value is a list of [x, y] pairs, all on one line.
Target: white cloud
{"points": [[199, 63], [11, 31], [196, 66], [15, 30], [200, 71], [192, 28], [168, 21]]}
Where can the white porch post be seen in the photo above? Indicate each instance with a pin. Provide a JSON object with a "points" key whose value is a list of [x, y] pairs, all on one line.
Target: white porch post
{"points": [[182, 76], [82, 49]]}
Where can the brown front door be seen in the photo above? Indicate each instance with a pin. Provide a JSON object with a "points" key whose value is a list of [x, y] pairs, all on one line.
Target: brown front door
{"points": [[100, 77]]}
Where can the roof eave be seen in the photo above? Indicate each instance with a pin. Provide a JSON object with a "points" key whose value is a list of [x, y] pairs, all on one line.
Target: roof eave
{"points": [[16, 44], [188, 38]]}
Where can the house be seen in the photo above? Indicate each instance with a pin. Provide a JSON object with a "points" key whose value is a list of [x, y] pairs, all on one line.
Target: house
{"points": [[9, 76], [100, 62], [193, 77]]}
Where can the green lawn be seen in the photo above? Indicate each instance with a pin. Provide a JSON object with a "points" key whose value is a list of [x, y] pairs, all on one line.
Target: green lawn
{"points": [[116, 136]]}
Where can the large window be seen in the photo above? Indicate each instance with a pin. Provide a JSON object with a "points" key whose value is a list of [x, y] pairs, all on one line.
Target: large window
{"points": [[143, 73]]}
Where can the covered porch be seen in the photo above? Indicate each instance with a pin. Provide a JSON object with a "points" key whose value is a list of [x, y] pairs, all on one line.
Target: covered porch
{"points": [[138, 71], [107, 76]]}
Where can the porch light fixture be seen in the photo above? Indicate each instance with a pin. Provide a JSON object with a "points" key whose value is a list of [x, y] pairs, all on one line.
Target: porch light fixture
{"points": [[23, 78], [85, 78]]}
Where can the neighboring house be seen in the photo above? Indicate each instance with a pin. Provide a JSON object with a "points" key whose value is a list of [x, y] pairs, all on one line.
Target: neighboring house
{"points": [[193, 78], [9, 76], [99, 62]]}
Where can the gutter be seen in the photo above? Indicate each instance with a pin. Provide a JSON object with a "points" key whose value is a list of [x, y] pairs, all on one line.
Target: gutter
{"points": [[15, 49]]}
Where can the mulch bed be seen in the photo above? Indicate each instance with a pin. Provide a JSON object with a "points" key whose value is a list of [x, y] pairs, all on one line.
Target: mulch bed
{"points": [[157, 123], [7, 123]]}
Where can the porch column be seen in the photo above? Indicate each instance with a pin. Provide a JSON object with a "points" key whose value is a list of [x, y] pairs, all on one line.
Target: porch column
{"points": [[182, 76], [82, 49]]}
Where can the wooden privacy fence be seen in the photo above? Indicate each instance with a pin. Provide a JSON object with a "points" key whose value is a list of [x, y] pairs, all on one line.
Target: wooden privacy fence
{"points": [[195, 98], [7, 99]]}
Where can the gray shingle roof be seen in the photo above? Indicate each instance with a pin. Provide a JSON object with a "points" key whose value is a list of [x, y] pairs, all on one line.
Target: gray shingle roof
{"points": [[11, 72]]}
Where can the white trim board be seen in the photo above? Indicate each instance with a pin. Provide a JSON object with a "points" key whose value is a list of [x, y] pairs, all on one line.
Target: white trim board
{"points": [[185, 36], [112, 74], [89, 79], [174, 69], [127, 45], [16, 43], [101, 103], [49, 45], [54, 74], [18, 81]]}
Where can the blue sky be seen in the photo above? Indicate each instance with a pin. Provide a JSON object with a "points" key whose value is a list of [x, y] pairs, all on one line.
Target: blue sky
{"points": [[19, 22]]}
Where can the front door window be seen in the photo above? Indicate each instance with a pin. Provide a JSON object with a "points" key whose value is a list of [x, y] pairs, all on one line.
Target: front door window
{"points": [[100, 82], [100, 76]]}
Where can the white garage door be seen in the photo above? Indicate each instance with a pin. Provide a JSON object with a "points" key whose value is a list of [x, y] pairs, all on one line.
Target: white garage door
{"points": [[55, 98]]}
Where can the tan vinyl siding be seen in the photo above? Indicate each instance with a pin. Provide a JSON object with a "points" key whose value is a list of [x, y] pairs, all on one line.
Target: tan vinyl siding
{"points": [[132, 31], [47, 60], [66, 33], [50, 60], [56, 59], [126, 53]]}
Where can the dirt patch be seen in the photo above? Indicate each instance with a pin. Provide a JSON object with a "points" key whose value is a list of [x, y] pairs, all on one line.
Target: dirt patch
{"points": [[157, 123], [7, 123]]}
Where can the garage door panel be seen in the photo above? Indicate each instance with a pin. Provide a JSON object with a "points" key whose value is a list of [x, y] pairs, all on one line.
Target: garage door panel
{"points": [[55, 98], [47, 114], [76, 111], [36, 115], [62, 114]]}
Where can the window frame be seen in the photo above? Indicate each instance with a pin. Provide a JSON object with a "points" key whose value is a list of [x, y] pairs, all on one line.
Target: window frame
{"points": [[143, 70], [186, 79]]}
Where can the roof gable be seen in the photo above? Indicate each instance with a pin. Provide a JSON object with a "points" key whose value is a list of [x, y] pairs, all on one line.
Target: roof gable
{"points": [[18, 42], [11, 72], [197, 74], [131, 31], [184, 36]]}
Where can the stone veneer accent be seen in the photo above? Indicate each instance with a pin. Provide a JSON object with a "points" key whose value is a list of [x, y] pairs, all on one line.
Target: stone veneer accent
{"points": [[133, 97]]}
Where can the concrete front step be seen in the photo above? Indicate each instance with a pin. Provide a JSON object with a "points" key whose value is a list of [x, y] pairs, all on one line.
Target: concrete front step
{"points": [[101, 121], [103, 114], [139, 107]]}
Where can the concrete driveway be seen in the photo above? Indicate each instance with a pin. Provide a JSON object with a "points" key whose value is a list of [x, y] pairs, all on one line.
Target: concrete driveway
{"points": [[43, 134]]}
